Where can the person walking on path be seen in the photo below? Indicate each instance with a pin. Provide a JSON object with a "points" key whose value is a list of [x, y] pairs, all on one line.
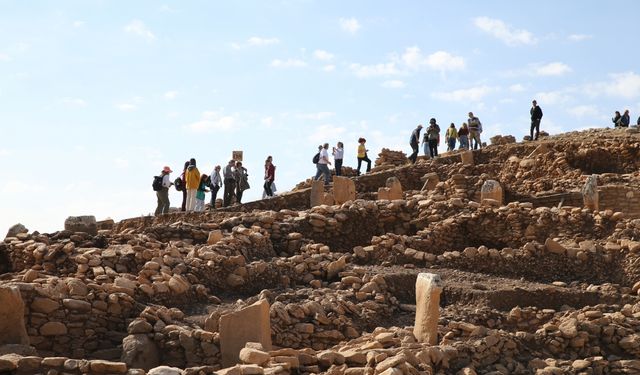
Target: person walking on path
{"points": [[451, 137], [414, 140], [183, 177], [475, 129], [163, 193], [242, 181], [323, 165], [229, 183], [192, 177], [216, 183], [536, 116], [624, 120], [463, 136], [434, 137], [338, 155], [362, 155], [200, 195], [269, 176]]}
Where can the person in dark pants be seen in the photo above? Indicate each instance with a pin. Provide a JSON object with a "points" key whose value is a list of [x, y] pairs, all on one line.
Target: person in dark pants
{"points": [[216, 182], [242, 182], [184, 188], [434, 137], [338, 154], [163, 193], [414, 142], [362, 155], [536, 116], [269, 176], [229, 183]]}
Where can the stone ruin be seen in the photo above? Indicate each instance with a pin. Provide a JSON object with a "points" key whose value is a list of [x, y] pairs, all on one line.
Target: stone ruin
{"points": [[508, 264]]}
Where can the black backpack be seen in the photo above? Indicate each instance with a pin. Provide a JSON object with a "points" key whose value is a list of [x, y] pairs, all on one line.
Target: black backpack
{"points": [[157, 183], [316, 158], [179, 185]]}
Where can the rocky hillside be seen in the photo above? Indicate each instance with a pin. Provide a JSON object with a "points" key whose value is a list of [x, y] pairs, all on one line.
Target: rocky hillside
{"points": [[536, 244]]}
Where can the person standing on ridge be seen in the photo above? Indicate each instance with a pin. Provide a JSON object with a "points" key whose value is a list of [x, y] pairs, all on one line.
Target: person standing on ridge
{"points": [[536, 116], [192, 183], [624, 120], [475, 129], [216, 183], [414, 142], [269, 176], [463, 136], [338, 155], [200, 195], [323, 165], [163, 193], [183, 187], [434, 137], [229, 182], [451, 136], [362, 155], [242, 181], [616, 119]]}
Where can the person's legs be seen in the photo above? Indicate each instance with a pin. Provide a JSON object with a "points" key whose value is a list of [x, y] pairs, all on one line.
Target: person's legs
{"points": [[338, 167], [184, 199], [318, 171], [359, 164], [164, 196], [267, 188], [366, 158], [199, 205], [238, 196], [533, 127], [160, 203], [324, 169], [433, 145], [214, 196], [229, 186], [537, 129], [425, 149], [191, 199], [414, 154], [452, 144]]}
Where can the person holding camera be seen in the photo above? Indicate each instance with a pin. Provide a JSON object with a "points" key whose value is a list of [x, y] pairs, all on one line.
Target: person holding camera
{"points": [[338, 155]]}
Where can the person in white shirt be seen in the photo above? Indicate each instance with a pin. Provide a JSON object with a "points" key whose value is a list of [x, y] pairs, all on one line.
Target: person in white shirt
{"points": [[163, 194], [323, 165], [216, 183], [338, 155]]}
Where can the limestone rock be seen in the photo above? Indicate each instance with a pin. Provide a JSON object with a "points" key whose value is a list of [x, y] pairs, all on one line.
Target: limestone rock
{"points": [[12, 325], [251, 324], [428, 290], [16, 229], [85, 224], [139, 351]]}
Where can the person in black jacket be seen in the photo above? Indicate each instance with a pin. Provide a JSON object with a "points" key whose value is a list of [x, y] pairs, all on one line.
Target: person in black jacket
{"points": [[536, 116], [624, 120], [414, 143], [616, 119]]}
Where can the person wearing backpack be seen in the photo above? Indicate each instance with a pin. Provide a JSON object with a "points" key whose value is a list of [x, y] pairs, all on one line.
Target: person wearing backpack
{"points": [[475, 129], [434, 137], [414, 141], [192, 177], [161, 185], [323, 165], [216, 183], [362, 155]]}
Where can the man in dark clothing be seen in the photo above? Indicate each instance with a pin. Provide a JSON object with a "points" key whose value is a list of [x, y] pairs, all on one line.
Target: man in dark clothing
{"points": [[536, 116], [414, 142], [229, 183], [624, 121]]}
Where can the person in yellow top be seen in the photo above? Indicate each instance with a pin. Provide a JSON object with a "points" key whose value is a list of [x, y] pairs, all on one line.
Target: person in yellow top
{"points": [[362, 155], [451, 136], [192, 182]]}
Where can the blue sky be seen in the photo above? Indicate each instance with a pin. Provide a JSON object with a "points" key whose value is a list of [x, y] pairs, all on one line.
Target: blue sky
{"points": [[97, 96]]}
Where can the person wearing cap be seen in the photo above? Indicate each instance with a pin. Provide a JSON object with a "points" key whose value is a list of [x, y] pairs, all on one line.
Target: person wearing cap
{"points": [[163, 194], [414, 143], [536, 116]]}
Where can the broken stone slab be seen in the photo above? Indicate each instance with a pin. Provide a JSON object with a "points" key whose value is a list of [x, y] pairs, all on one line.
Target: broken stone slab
{"points": [[317, 193], [12, 327], [467, 157], [139, 351], [251, 324], [16, 229], [428, 290], [85, 224], [491, 189], [392, 189], [214, 237], [553, 246], [590, 195], [344, 189], [431, 180]]}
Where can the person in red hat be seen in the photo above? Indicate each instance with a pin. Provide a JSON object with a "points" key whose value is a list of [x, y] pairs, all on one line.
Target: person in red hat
{"points": [[163, 193]]}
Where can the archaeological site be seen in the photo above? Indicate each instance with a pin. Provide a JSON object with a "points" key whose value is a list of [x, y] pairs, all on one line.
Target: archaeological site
{"points": [[517, 258]]}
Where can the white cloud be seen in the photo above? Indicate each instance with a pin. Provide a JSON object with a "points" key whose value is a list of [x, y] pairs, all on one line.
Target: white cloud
{"points": [[439, 60], [322, 55], [325, 133], [138, 28], [214, 121], [121, 163], [552, 98], [579, 37], [4, 152], [78, 24], [259, 41], [267, 121], [623, 85], [170, 95], [473, 94], [19, 187], [516, 88], [350, 25], [4, 57], [316, 116], [289, 63], [76, 102], [498, 29], [126, 107], [329, 68], [376, 70], [583, 111], [552, 69], [393, 84]]}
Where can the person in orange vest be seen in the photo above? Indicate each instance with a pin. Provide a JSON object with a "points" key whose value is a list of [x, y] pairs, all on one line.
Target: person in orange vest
{"points": [[192, 177]]}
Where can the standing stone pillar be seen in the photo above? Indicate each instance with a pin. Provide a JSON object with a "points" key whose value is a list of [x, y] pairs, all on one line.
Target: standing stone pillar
{"points": [[392, 189], [317, 193], [492, 190], [590, 194], [467, 157], [12, 328], [344, 189], [251, 324], [431, 180], [428, 290]]}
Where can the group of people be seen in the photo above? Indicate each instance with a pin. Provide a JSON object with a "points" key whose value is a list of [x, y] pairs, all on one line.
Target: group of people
{"points": [[194, 185], [322, 162], [622, 121]]}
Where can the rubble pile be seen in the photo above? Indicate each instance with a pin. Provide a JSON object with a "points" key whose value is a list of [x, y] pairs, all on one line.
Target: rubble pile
{"points": [[525, 272]]}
